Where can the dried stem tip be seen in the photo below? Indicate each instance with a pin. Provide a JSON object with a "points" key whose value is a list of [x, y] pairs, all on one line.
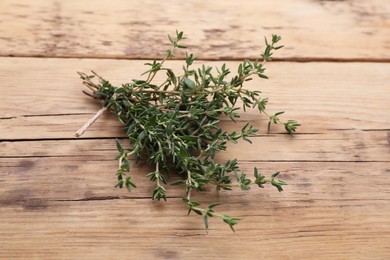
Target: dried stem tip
{"points": [[81, 131]]}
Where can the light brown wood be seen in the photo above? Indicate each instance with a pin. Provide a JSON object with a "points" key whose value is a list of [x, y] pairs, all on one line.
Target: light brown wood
{"points": [[312, 29], [57, 195], [60, 190], [333, 146], [48, 103], [134, 229], [77, 178], [72, 202]]}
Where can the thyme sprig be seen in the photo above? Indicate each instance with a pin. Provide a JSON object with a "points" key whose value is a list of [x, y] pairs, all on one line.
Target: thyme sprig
{"points": [[175, 124]]}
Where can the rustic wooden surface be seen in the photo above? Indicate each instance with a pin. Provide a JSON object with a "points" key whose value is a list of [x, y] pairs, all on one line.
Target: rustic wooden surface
{"points": [[313, 29], [57, 199]]}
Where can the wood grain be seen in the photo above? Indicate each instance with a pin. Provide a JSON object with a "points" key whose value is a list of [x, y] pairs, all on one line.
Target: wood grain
{"points": [[52, 179], [45, 99], [333, 146], [312, 29], [57, 199], [134, 229], [59, 189], [320, 210]]}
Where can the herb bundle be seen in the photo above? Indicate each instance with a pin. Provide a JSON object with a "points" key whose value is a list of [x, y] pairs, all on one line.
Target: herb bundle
{"points": [[175, 124]]}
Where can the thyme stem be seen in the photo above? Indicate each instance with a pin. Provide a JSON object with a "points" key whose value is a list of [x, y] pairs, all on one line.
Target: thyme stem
{"points": [[81, 131]]}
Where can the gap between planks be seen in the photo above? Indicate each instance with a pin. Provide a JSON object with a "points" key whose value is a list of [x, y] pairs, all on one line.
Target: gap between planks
{"points": [[223, 59]]}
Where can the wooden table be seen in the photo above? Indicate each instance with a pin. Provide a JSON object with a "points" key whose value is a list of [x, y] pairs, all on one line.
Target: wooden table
{"points": [[57, 199]]}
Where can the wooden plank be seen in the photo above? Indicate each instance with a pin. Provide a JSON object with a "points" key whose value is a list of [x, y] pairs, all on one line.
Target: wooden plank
{"points": [[312, 29], [123, 229], [38, 102], [57, 199], [333, 146], [81, 178], [320, 212], [118, 229]]}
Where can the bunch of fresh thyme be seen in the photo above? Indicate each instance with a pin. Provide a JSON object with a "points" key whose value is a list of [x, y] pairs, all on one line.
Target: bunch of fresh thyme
{"points": [[175, 124]]}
